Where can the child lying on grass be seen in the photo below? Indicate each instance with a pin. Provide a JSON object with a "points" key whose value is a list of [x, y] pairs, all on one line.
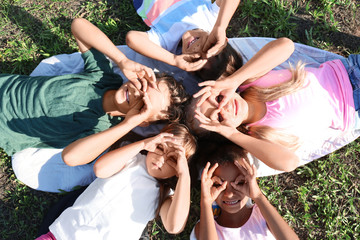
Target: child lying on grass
{"points": [[231, 181], [183, 31], [132, 189]]}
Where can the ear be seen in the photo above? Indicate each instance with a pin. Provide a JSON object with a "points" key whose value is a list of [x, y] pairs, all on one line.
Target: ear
{"points": [[144, 124]]}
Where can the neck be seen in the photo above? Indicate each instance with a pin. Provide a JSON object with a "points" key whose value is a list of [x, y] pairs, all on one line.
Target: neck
{"points": [[234, 220], [109, 106], [256, 111]]}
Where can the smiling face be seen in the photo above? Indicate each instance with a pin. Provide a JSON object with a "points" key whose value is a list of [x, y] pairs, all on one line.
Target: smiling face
{"points": [[193, 41], [157, 162], [233, 114], [229, 200], [128, 96]]}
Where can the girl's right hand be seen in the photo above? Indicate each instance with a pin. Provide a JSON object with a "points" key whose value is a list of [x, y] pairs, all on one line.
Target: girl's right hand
{"points": [[224, 87], [150, 144], [140, 111], [189, 62], [140, 75], [209, 192]]}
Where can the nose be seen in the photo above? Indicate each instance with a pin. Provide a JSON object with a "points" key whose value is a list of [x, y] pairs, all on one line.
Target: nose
{"points": [[228, 193], [161, 161], [196, 47]]}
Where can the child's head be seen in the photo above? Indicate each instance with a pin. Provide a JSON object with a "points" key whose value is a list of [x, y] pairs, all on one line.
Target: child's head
{"points": [[225, 154], [167, 99], [156, 162], [220, 66], [234, 113]]}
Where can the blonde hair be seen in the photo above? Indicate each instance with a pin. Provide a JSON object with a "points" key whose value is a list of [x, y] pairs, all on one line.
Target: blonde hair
{"points": [[266, 94]]}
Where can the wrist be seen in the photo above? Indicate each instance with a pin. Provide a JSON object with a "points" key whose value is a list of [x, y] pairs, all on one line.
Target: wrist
{"points": [[259, 198], [206, 201]]}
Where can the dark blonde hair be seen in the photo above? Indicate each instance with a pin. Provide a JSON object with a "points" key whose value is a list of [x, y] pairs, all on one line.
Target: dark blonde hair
{"points": [[222, 65], [189, 144], [178, 97], [266, 94]]}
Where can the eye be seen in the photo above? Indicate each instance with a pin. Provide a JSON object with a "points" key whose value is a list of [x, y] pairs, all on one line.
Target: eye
{"points": [[160, 149], [220, 118], [242, 182], [219, 98], [216, 185]]}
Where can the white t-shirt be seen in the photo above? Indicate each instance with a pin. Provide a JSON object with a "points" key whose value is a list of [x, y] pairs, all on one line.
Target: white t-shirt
{"points": [[118, 207], [170, 19], [254, 228]]}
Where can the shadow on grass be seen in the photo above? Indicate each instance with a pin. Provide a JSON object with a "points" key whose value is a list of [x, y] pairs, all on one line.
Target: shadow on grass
{"points": [[41, 39]]}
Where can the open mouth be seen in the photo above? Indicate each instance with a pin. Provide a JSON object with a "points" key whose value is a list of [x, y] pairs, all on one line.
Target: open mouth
{"points": [[192, 41], [231, 202], [127, 95], [155, 166], [235, 108]]}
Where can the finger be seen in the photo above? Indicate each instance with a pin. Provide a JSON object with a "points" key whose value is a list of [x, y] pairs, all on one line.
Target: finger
{"points": [[219, 189], [214, 50], [205, 172], [144, 84], [202, 91], [203, 98], [207, 44], [214, 116], [241, 168], [194, 66], [246, 165], [172, 164], [151, 77], [136, 83], [212, 169], [207, 83]]}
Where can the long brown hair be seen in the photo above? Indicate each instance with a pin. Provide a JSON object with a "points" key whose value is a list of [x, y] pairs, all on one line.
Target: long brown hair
{"points": [[222, 65]]}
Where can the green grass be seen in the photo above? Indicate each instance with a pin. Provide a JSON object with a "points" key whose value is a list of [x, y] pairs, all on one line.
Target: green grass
{"points": [[319, 200]]}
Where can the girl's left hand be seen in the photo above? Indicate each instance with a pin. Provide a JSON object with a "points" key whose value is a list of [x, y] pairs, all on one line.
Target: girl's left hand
{"points": [[247, 186], [178, 161], [138, 74], [209, 192]]}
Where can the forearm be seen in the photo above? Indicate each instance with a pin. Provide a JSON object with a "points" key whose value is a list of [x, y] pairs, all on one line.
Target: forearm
{"points": [[140, 42], [272, 154], [277, 225], [174, 219], [115, 160], [207, 230], [227, 10], [88, 148], [269, 57], [89, 36]]}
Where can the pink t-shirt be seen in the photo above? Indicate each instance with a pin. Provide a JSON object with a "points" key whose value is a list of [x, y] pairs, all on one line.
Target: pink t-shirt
{"points": [[325, 101], [254, 228]]}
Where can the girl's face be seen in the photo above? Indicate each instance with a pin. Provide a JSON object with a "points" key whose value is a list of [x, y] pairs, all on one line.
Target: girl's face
{"points": [[193, 41], [232, 114], [229, 200], [157, 161]]}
